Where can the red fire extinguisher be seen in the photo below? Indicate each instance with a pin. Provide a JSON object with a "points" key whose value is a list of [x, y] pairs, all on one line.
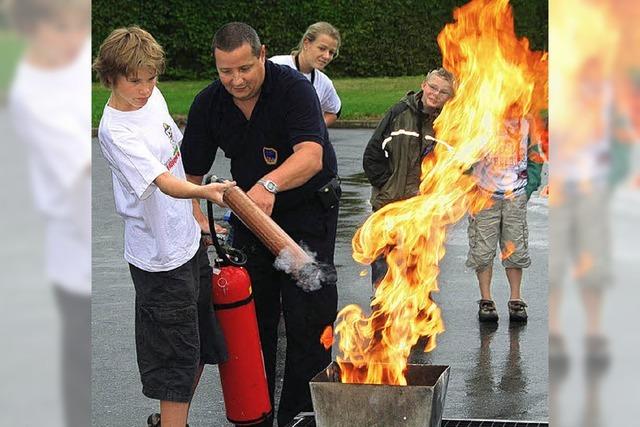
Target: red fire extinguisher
{"points": [[243, 377]]}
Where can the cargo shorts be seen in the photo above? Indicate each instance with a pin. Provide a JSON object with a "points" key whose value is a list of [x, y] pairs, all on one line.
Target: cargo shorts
{"points": [[504, 222], [175, 327]]}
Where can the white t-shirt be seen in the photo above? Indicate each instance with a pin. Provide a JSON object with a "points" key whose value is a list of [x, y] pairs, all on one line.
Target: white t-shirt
{"points": [[51, 110], [160, 232], [329, 100]]}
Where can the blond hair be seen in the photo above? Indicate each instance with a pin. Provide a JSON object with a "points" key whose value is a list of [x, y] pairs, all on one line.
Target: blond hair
{"points": [[314, 30], [444, 74], [124, 52]]}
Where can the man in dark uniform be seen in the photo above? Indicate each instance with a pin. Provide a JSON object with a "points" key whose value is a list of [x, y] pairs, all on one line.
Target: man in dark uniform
{"points": [[267, 120]]}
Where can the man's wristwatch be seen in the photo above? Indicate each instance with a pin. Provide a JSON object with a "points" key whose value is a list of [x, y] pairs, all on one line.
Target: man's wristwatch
{"points": [[271, 186]]}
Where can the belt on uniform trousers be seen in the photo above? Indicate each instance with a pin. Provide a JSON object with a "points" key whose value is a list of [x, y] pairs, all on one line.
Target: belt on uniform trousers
{"points": [[329, 194]]}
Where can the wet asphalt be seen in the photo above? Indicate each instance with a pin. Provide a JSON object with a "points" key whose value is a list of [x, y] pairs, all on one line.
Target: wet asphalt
{"points": [[497, 372]]}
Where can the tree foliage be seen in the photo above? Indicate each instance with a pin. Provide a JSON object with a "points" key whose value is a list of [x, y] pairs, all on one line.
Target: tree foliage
{"points": [[379, 38]]}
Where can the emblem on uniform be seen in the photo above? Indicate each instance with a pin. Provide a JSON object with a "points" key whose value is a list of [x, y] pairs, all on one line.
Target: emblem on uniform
{"points": [[270, 155]]}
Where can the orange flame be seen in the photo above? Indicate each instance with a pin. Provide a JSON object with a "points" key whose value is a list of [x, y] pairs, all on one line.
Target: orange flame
{"points": [[508, 250], [497, 73], [326, 339], [545, 191], [583, 266]]}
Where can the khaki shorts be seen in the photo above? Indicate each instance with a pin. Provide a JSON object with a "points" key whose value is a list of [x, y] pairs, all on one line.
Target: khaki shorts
{"points": [[580, 240], [504, 222]]}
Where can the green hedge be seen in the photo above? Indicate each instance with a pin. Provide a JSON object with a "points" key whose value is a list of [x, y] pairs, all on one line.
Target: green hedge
{"points": [[380, 38]]}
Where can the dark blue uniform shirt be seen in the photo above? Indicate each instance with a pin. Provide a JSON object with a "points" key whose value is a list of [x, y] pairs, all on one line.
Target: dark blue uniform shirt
{"points": [[287, 113]]}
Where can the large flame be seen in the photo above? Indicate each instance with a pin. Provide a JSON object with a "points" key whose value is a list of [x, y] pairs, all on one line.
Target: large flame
{"points": [[584, 38], [498, 76]]}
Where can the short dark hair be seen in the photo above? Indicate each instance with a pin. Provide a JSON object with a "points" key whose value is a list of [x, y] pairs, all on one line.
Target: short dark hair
{"points": [[233, 35]]}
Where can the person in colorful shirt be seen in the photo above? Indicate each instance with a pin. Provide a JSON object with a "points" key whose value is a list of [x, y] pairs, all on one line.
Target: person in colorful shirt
{"points": [[510, 175]]}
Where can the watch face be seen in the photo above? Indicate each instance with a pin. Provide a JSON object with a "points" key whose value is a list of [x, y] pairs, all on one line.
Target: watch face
{"points": [[269, 185]]}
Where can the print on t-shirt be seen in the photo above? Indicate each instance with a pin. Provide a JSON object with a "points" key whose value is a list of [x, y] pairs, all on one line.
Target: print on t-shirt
{"points": [[176, 150]]}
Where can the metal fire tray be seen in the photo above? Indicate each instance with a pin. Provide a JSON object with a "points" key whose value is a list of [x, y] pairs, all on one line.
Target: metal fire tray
{"points": [[418, 404], [308, 419]]}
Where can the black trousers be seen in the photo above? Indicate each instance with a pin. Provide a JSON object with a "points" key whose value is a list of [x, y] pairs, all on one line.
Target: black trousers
{"points": [[306, 314], [379, 269]]}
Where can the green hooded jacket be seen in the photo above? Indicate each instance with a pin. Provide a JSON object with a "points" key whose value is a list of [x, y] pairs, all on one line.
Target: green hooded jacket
{"points": [[393, 157]]}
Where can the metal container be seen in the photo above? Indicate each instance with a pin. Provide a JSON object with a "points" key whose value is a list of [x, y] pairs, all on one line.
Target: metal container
{"points": [[418, 404]]}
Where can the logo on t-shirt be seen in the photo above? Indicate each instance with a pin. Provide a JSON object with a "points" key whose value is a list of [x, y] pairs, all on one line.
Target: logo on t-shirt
{"points": [[270, 155], [510, 153], [176, 150]]}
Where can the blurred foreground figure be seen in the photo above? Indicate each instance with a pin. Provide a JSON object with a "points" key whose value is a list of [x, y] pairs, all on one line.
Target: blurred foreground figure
{"points": [[50, 101], [594, 200], [590, 179], [581, 186]]}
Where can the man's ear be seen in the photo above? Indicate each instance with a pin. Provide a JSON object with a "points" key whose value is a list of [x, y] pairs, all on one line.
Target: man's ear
{"points": [[263, 53]]}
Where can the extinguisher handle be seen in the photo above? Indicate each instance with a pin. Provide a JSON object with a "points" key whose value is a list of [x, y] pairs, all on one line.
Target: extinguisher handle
{"points": [[228, 255]]}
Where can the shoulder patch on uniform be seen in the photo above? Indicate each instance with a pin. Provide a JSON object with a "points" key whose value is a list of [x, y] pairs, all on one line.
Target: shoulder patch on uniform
{"points": [[270, 155]]}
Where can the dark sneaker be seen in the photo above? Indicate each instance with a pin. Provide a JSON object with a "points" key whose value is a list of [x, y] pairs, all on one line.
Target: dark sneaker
{"points": [[598, 356], [558, 358], [154, 420], [487, 311], [517, 310]]}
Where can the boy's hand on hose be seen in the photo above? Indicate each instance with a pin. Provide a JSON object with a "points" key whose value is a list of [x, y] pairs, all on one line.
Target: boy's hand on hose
{"points": [[215, 191]]}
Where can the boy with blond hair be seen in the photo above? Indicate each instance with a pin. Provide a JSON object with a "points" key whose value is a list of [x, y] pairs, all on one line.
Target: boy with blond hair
{"points": [[176, 331]]}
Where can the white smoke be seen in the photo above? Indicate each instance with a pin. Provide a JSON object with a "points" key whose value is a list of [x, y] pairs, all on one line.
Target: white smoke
{"points": [[309, 275]]}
